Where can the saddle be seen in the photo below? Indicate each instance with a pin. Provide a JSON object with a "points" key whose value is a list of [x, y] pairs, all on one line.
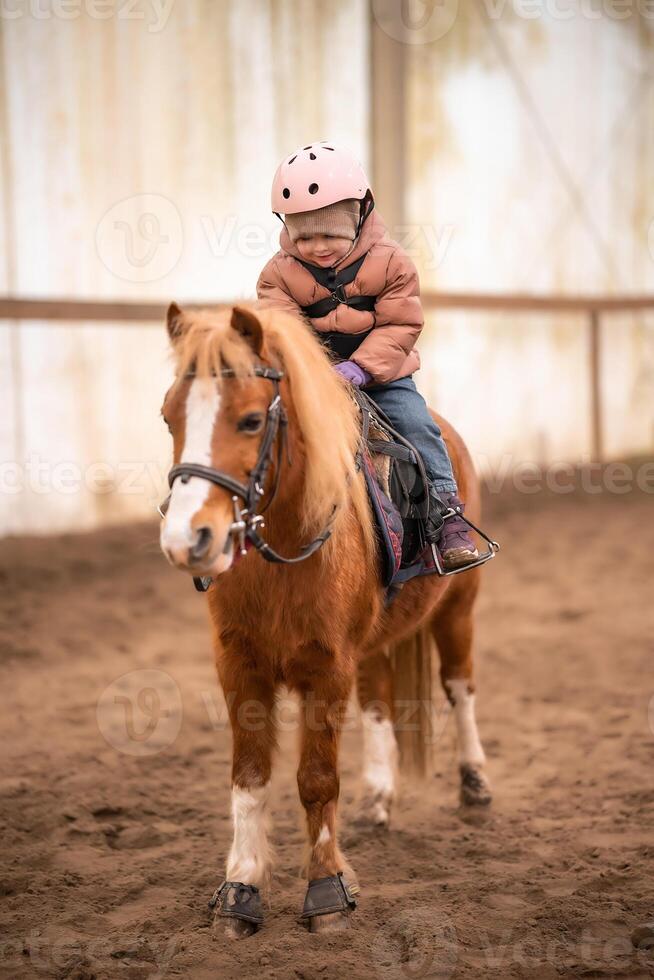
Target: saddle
{"points": [[398, 489]]}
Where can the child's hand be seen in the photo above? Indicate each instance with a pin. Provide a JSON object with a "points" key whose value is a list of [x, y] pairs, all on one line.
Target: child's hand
{"points": [[353, 373]]}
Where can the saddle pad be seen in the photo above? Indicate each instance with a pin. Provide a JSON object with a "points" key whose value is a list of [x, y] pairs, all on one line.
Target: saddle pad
{"points": [[389, 527], [388, 523]]}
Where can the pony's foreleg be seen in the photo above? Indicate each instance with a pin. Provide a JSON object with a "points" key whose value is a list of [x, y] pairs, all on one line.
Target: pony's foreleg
{"points": [[250, 699], [452, 628], [323, 710], [380, 752]]}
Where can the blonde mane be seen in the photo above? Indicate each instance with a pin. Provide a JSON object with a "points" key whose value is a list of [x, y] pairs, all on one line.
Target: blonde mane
{"points": [[326, 413]]}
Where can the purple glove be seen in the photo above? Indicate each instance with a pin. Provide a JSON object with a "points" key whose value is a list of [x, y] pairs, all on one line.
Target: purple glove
{"points": [[353, 373]]}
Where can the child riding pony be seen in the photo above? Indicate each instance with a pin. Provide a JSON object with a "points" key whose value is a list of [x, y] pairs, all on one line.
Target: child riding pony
{"points": [[338, 267], [267, 500]]}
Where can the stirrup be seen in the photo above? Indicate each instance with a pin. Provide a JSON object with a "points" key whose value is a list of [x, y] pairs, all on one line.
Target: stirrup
{"points": [[493, 547]]}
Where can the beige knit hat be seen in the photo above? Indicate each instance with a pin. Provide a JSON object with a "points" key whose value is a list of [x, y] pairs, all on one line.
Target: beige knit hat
{"points": [[340, 219]]}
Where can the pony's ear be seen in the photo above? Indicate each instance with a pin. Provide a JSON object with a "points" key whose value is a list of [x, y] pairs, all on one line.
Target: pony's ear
{"points": [[247, 324], [174, 322]]}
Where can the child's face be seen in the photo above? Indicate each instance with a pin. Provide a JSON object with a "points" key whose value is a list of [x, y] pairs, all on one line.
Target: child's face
{"points": [[324, 250]]}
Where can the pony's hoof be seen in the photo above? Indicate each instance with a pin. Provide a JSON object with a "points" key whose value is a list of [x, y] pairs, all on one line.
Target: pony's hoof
{"points": [[475, 788], [375, 810], [239, 928], [328, 904], [332, 922]]}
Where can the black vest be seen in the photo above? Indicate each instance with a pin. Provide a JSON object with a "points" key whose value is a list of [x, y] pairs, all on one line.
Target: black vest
{"points": [[338, 342]]}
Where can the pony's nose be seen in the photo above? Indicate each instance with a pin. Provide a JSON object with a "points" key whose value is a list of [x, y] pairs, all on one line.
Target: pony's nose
{"points": [[203, 539]]}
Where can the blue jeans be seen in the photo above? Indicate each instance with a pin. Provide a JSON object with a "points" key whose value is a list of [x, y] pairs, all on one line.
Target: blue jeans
{"points": [[408, 413]]}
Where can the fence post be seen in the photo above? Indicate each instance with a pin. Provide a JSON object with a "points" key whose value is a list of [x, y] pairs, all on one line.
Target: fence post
{"points": [[595, 359]]}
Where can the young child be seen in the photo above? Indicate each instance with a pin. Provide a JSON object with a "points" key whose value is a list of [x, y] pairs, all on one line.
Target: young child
{"points": [[359, 290]]}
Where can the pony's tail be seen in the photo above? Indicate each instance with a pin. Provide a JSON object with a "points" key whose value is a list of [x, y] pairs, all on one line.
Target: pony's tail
{"points": [[418, 724]]}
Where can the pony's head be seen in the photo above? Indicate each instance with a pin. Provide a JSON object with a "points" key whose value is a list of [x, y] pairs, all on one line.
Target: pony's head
{"points": [[218, 421]]}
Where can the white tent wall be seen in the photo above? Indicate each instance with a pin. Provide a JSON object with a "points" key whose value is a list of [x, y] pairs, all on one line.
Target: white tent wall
{"points": [[176, 122], [530, 161], [136, 159]]}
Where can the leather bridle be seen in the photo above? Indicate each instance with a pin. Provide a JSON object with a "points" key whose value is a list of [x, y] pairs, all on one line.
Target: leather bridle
{"points": [[248, 520]]}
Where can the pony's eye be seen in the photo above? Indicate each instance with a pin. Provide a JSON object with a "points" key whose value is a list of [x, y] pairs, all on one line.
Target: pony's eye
{"points": [[252, 422]]}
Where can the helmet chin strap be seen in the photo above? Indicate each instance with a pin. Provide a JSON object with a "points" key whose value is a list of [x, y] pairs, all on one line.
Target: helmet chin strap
{"points": [[365, 210]]}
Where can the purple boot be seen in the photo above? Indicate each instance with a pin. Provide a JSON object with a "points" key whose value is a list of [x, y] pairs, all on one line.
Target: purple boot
{"points": [[456, 545]]}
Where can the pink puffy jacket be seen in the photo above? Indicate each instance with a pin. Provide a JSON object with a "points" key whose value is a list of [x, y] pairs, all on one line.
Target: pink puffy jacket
{"points": [[387, 352]]}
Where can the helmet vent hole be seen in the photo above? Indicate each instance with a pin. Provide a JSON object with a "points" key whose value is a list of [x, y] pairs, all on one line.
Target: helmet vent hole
{"points": [[293, 158], [313, 188], [286, 193], [312, 156]]}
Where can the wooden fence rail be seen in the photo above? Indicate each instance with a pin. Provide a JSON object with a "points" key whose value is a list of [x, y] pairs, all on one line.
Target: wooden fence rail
{"points": [[18, 310]]}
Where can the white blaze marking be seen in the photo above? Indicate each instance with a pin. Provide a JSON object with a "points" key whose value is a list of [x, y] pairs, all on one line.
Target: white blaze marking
{"points": [[470, 747], [202, 404], [380, 756], [249, 859]]}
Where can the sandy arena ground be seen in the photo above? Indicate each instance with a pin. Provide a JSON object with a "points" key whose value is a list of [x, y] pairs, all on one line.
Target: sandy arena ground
{"points": [[108, 858]]}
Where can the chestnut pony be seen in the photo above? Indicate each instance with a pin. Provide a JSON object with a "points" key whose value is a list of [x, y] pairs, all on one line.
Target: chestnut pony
{"points": [[316, 626]]}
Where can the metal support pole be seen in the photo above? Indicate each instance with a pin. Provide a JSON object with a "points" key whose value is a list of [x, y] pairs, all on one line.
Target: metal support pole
{"points": [[387, 113], [595, 363]]}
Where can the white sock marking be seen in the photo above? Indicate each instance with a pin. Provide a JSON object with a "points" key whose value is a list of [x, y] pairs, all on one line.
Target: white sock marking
{"points": [[380, 756], [249, 858], [470, 747]]}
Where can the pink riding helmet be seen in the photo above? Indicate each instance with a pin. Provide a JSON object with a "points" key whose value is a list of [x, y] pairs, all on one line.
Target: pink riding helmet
{"points": [[315, 176]]}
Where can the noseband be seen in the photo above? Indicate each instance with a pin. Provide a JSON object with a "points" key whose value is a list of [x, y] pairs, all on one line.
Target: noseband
{"points": [[248, 520]]}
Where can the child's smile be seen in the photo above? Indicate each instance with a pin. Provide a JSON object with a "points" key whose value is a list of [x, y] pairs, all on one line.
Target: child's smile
{"points": [[323, 250]]}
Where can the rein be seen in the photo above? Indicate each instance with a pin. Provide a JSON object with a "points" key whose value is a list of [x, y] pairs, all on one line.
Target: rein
{"points": [[248, 520]]}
